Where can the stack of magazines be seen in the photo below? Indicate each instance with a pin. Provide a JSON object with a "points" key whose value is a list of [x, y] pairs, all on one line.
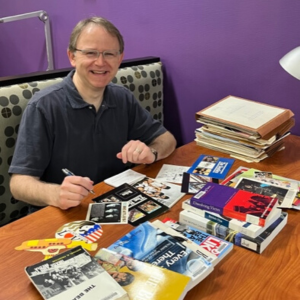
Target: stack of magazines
{"points": [[245, 129]]}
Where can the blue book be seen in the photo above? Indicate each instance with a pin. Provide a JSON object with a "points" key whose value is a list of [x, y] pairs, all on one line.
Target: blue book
{"points": [[211, 166], [152, 245]]}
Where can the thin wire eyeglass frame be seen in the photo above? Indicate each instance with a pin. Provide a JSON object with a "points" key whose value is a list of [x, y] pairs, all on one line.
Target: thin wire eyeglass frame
{"points": [[94, 54]]}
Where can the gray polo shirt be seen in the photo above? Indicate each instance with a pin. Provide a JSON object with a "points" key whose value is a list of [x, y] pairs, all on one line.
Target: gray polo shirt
{"points": [[59, 130]]}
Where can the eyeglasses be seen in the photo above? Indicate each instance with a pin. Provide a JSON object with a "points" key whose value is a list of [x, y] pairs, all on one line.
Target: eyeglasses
{"points": [[94, 54]]}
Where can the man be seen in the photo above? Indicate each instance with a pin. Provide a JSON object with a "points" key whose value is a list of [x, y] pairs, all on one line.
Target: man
{"points": [[122, 278], [85, 124]]}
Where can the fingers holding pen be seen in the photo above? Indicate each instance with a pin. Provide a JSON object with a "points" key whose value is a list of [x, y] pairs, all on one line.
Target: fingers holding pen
{"points": [[78, 185], [73, 190]]}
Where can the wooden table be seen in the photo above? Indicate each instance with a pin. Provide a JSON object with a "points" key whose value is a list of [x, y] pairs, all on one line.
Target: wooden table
{"points": [[243, 274]]}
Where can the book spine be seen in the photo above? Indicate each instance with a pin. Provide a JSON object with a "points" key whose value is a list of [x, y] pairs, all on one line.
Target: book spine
{"points": [[206, 214], [220, 231], [246, 228]]}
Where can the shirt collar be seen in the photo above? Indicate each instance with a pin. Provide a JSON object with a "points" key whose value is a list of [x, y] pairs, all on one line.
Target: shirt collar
{"points": [[76, 100]]}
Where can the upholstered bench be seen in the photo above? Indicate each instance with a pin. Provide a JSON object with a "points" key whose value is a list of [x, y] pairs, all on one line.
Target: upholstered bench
{"points": [[143, 77]]}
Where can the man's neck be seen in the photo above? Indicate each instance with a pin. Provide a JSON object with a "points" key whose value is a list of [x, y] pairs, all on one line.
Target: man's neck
{"points": [[93, 97]]}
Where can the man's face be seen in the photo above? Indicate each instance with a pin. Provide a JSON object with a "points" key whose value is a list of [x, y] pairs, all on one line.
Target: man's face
{"points": [[119, 276], [95, 74]]}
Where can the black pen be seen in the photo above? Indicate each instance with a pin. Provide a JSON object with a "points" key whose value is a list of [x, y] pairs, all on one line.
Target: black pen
{"points": [[69, 173]]}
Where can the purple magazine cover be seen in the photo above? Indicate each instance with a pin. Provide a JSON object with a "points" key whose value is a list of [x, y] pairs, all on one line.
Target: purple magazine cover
{"points": [[234, 203]]}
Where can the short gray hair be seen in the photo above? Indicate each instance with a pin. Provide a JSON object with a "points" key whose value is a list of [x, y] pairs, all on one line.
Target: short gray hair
{"points": [[111, 28]]}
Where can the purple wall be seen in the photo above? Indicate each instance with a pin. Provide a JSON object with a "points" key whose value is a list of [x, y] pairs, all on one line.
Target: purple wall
{"points": [[209, 48]]}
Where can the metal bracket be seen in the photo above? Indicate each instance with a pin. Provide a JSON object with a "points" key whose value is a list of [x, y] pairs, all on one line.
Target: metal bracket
{"points": [[43, 16]]}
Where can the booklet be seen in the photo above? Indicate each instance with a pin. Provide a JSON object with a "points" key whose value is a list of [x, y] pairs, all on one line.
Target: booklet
{"points": [[74, 274], [211, 166]]}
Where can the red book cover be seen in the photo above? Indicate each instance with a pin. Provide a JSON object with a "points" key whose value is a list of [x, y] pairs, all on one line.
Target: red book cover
{"points": [[233, 203]]}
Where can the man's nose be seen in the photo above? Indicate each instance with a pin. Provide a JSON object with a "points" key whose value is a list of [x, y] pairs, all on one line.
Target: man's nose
{"points": [[101, 59]]}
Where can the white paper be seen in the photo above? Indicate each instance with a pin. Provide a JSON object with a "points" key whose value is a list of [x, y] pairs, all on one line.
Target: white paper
{"points": [[243, 112], [171, 173], [129, 176]]}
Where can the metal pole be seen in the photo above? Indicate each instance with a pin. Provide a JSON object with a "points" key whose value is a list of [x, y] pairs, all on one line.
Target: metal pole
{"points": [[43, 16]]}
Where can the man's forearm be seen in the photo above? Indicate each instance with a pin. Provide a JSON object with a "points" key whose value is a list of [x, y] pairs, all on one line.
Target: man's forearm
{"points": [[33, 191], [164, 144]]}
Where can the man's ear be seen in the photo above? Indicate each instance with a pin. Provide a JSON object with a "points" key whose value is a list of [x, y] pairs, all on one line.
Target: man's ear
{"points": [[72, 58], [121, 58]]}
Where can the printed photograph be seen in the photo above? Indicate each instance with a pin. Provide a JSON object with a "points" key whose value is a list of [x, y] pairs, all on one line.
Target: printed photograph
{"points": [[135, 215], [149, 206]]}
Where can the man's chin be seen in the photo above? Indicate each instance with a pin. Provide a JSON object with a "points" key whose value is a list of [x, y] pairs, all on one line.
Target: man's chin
{"points": [[99, 85]]}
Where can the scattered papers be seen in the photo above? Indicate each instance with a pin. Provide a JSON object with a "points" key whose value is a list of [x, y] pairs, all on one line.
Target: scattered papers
{"points": [[171, 173]]}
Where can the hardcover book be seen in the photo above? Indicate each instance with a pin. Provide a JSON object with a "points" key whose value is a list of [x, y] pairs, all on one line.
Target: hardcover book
{"points": [[234, 203], [152, 245], [74, 274], [141, 207], [246, 228], [142, 280], [209, 242], [258, 244]]}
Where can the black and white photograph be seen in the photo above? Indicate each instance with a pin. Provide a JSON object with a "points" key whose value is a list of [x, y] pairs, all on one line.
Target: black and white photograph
{"points": [[108, 213]]}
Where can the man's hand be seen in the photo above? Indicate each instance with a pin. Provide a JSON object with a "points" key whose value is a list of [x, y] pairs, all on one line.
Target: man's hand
{"points": [[72, 190], [136, 152], [36, 192]]}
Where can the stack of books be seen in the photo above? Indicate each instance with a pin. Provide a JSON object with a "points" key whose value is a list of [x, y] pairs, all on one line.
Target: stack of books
{"points": [[244, 218], [245, 129]]}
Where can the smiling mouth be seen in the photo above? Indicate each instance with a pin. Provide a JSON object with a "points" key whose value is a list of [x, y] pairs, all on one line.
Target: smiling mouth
{"points": [[99, 72]]}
